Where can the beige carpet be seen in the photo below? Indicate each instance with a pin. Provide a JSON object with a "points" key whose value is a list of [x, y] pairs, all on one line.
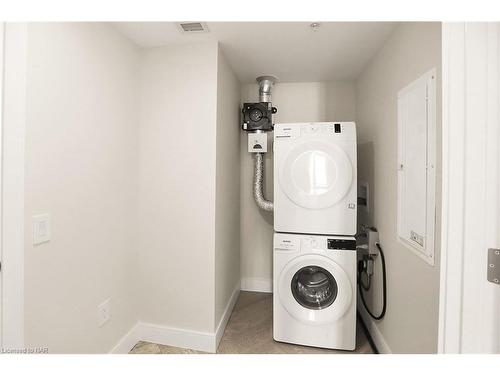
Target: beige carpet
{"points": [[250, 330]]}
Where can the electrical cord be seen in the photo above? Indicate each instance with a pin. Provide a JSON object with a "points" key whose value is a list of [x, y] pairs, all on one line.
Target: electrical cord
{"points": [[368, 283], [384, 290]]}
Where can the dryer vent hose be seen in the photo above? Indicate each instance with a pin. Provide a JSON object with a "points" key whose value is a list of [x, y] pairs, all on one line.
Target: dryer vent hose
{"points": [[258, 184]]}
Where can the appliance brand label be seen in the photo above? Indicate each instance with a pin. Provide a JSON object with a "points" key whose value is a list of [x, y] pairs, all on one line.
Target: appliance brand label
{"points": [[286, 132], [287, 243]]}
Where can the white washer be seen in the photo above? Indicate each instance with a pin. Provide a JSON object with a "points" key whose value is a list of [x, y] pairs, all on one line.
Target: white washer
{"points": [[314, 300], [315, 188]]}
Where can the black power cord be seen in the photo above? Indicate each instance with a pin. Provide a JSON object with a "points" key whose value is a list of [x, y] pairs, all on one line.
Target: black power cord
{"points": [[384, 291], [368, 283]]}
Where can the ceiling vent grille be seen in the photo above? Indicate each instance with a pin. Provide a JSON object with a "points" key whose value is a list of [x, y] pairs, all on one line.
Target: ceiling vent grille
{"points": [[193, 27]]}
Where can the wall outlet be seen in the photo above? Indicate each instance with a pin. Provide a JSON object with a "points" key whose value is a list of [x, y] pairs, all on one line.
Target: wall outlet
{"points": [[414, 236], [104, 312], [373, 239], [364, 196], [41, 229]]}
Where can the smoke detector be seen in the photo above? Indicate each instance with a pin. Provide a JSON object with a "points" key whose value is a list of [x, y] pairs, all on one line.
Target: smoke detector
{"points": [[315, 26], [193, 27]]}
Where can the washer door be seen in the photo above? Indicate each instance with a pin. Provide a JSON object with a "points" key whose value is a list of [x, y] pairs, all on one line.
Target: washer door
{"points": [[314, 289], [316, 174]]}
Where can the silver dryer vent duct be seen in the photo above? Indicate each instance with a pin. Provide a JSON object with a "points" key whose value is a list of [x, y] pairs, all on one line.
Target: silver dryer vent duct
{"points": [[265, 86]]}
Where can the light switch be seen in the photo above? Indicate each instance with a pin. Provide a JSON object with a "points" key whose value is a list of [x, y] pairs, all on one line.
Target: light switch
{"points": [[41, 229]]}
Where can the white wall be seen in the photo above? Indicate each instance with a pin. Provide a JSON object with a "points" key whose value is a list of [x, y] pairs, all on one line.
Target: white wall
{"points": [[177, 186], [296, 102], [135, 155], [227, 213], [81, 167], [411, 323]]}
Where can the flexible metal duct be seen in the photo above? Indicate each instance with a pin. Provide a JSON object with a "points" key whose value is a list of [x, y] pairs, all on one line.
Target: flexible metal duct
{"points": [[258, 184], [265, 85]]}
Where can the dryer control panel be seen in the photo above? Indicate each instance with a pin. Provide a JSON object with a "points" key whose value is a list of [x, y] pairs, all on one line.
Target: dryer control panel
{"points": [[339, 130]]}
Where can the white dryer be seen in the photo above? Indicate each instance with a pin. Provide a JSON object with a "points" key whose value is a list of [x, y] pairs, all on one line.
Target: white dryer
{"points": [[315, 188], [314, 300]]}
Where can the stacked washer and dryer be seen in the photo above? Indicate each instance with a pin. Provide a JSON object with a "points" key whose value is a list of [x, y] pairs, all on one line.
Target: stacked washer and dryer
{"points": [[315, 195], [315, 203]]}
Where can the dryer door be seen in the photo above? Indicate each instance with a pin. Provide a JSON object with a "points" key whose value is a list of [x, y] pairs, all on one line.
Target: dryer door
{"points": [[314, 289], [316, 174]]}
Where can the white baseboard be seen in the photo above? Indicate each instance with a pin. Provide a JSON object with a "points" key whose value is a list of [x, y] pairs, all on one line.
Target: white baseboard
{"points": [[376, 335], [221, 327], [256, 284], [128, 341], [182, 338]]}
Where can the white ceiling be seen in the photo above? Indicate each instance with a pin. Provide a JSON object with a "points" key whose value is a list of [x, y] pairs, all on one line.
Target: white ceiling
{"points": [[290, 50]]}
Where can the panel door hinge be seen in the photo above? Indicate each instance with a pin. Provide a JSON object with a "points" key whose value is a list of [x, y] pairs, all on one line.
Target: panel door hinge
{"points": [[493, 274]]}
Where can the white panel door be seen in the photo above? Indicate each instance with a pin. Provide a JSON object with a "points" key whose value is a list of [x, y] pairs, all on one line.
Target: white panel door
{"points": [[469, 303], [481, 315], [2, 27], [12, 194]]}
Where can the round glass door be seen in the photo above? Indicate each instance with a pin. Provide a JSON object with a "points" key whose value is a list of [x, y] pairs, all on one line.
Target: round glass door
{"points": [[314, 288]]}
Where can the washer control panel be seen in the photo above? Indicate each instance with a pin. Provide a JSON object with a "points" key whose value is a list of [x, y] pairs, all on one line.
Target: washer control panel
{"points": [[312, 243], [341, 244]]}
